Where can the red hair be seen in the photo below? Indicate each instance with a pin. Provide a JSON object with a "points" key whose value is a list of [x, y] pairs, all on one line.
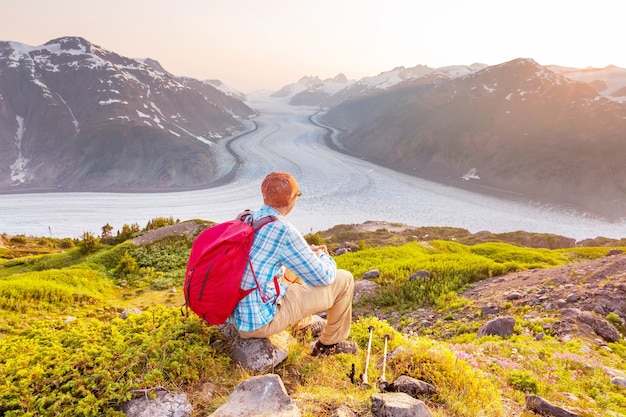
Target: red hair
{"points": [[279, 189]]}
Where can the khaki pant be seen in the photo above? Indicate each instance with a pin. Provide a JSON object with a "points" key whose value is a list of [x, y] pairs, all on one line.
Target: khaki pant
{"points": [[302, 300]]}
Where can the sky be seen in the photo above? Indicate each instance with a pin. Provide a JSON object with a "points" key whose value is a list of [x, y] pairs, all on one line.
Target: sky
{"points": [[265, 44]]}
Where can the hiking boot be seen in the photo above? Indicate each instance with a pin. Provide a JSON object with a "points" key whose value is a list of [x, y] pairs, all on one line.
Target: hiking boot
{"points": [[314, 328], [341, 347]]}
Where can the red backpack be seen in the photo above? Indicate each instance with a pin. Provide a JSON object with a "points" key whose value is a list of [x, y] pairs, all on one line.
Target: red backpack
{"points": [[216, 265]]}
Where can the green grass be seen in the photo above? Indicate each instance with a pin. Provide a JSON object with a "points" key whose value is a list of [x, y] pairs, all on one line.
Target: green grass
{"points": [[52, 364]]}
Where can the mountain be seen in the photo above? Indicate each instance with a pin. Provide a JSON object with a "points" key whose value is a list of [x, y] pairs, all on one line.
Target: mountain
{"points": [[518, 128], [609, 81], [75, 116], [312, 91]]}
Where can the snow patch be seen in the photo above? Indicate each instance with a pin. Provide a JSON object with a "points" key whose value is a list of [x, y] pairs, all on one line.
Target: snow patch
{"points": [[19, 173], [472, 174], [111, 101]]}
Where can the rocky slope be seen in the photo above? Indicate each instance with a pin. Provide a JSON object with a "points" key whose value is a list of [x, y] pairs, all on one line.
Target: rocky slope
{"points": [[569, 294]]}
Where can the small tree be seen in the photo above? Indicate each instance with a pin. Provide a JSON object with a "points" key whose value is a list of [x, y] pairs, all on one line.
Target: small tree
{"points": [[88, 243], [107, 230], [127, 232], [126, 266]]}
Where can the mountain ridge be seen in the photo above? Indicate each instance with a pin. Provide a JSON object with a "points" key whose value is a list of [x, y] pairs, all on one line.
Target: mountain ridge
{"points": [[517, 127], [75, 116]]}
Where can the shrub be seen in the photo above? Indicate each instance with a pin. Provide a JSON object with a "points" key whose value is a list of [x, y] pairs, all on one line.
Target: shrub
{"points": [[523, 381], [314, 239], [19, 239]]}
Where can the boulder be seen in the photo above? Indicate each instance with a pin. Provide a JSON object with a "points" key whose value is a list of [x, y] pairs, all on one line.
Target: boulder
{"points": [[600, 326], [371, 274], [421, 274], [263, 395], [364, 288], [258, 355], [411, 386], [541, 406], [398, 404], [500, 326], [166, 404]]}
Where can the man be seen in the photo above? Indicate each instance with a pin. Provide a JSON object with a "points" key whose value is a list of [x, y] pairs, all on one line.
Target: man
{"points": [[278, 253]]}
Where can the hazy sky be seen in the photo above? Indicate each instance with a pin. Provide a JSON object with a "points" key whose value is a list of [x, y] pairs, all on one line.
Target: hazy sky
{"points": [[265, 44]]}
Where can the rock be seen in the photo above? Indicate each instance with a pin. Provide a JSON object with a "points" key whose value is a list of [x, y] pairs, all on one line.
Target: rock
{"points": [[619, 381], [259, 355], [572, 298], [364, 288], [541, 406], [124, 314], [489, 310], [549, 307], [413, 387], [263, 395], [372, 274], [515, 295], [398, 404], [500, 326], [421, 274], [600, 326], [341, 251], [343, 411], [166, 404]]}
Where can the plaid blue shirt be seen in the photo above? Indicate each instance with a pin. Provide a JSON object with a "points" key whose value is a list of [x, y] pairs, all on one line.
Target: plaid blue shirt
{"points": [[277, 245]]}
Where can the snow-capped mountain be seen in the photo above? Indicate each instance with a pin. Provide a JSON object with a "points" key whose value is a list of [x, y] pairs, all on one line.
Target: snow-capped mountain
{"points": [[609, 81], [75, 116], [517, 127], [311, 91]]}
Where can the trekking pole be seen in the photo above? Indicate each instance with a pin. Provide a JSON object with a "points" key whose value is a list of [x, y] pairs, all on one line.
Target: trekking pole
{"points": [[367, 360], [382, 381], [385, 358]]}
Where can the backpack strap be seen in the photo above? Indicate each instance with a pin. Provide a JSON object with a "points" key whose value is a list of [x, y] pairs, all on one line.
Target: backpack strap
{"points": [[263, 221], [246, 217]]}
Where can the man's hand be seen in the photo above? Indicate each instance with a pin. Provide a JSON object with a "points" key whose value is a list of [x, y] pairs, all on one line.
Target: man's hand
{"points": [[318, 250]]}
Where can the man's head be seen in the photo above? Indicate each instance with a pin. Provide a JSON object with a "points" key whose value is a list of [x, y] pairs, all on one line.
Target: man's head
{"points": [[280, 190]]}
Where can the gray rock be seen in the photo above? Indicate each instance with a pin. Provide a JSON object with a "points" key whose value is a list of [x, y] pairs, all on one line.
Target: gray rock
{"points": [[421, 274], [263, 395], [500, 326], [489, 310], [343, 411], [413, 387], [341, 251], [541, 406], [259, 355], [372, 274], [166, 404], [364, 288], [619, 381], [549, 307], [124, 314], [398, 404], [515, 295], [600, 326]]}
